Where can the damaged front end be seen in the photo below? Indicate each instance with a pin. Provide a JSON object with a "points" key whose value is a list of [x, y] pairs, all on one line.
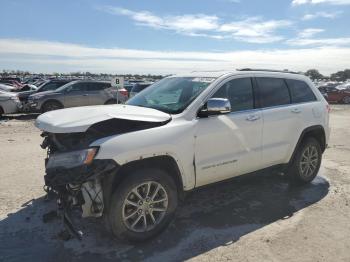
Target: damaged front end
{"points": [[73, 172], [75, 176]]}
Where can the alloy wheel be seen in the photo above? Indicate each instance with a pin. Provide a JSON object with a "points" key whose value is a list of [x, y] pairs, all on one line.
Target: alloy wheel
{"points": [[309, 161], [145, 207]]}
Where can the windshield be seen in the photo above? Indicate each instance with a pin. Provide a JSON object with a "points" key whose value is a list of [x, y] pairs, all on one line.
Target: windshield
{"points": [[171, 95], [65, 86]]}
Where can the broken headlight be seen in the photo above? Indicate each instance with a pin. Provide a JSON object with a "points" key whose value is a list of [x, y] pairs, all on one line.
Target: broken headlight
{"points": [[72, 159]]}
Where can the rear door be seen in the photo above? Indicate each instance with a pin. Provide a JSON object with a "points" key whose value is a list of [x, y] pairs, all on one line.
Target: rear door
{"points": [[96, 93], [229, 145], [281, 122], [76, 95]]}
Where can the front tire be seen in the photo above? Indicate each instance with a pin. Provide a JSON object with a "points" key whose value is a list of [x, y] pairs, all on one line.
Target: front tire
{"points": [[143, 205], [306, 163]]}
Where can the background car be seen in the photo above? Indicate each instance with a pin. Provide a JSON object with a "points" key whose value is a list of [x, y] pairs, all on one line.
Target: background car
{"points": [[46, 86], [6, 88], [138, 87], [77, 93], [9, 103], [335, 94]]}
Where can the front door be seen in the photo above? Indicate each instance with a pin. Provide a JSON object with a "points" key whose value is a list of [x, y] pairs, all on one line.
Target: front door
{"points": [[229, 145]]}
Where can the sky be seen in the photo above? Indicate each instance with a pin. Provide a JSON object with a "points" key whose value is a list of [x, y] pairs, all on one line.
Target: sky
{"points": [[166, 37]]}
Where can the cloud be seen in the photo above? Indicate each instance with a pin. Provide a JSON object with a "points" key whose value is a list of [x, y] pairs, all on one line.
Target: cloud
{"points": [[251, 30], [184, 23], [332, 2], [255, 30], [309, 32], [329, 15], [47, 56], [341, 41]]}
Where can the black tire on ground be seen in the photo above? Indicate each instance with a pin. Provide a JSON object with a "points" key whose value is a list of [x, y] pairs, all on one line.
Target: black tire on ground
{"points": [[50, 106], [297, 170], [138, 177], [111, 102]]}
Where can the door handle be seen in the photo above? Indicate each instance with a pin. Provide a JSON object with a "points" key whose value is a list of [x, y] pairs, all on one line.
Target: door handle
{"points": [[296, 110], [253, 118]]}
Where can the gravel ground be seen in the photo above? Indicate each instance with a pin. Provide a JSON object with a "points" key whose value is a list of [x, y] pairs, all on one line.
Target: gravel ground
{"points": [[252, 218]]}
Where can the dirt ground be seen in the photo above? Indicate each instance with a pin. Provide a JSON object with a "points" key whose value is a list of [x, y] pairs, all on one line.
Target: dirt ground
{"points": [[255, 218]]}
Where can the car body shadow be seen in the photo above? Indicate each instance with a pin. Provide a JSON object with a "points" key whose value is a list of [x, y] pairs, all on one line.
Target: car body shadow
{"points": [[210, 217]]}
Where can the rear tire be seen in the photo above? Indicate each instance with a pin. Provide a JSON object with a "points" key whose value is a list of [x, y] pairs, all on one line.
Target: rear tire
{"points": [[50, 106], [142, 215], [306, 162]]}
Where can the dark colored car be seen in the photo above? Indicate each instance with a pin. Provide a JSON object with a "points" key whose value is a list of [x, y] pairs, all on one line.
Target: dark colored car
{"points": [[335, 94], [46, 86], [138, 87]]}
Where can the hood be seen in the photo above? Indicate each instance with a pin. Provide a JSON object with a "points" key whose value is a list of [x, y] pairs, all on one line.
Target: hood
{"points": [[45, 93], [79, 119], [26, 93], [6, 95]]}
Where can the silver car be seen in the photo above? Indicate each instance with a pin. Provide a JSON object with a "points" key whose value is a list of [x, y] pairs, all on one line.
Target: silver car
{"points": [[77, 93], [9, 103]]}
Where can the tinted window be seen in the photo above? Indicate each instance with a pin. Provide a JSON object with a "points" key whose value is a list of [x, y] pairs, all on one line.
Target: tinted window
{"points": [[300, 91], [98, 86], [239, 92], [273, 91], [78, 87], [49, 86]]}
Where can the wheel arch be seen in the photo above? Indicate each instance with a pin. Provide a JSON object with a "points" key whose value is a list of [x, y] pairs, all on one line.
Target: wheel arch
{"points": [[50, 101], [164, 162], [317, 132]]}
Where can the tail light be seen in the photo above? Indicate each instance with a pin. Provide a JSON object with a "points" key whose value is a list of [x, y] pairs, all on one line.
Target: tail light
{"points": [[124, 92]]}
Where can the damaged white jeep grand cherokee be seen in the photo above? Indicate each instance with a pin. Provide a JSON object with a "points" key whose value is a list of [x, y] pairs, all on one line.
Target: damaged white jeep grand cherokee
{"points": [[131, 163]]}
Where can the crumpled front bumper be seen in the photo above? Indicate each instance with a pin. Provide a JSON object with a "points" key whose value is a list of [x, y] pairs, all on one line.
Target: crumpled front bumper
{"points": [[79, 187], [56, 177]]}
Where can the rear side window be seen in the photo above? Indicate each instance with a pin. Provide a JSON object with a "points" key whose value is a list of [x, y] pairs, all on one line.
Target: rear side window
{"points": [[273, 91], [239, 92], [98, 86], [300, 91]]}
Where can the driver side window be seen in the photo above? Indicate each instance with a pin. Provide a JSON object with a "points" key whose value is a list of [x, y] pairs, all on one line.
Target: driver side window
{"points": [[239, 92]]}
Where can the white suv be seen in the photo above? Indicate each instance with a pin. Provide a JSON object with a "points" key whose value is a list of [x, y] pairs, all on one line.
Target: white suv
{"points": [[131, 163]]}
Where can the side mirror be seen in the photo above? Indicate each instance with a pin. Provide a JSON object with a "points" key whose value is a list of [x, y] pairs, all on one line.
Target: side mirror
{"points": [[215, 106]]}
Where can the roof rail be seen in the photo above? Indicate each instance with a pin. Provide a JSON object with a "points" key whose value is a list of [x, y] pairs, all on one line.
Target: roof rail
{"points": [[267, 70]]}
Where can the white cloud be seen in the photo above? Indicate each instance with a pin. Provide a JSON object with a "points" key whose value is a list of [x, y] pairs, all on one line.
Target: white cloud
{"points": [[332, 2], [255, 30], [252, 30], [184, 23], [309, 32], [64, 57], [329, 15], [341, 41]]}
